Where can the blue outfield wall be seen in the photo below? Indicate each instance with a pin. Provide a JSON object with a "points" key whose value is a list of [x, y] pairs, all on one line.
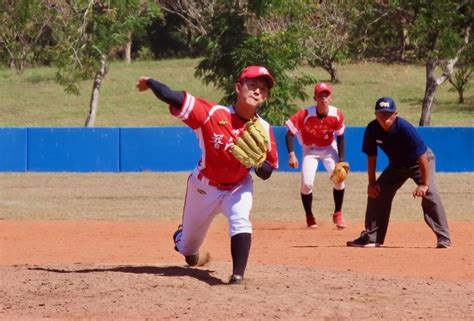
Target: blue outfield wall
{"points": [[13, 150], [176, 149], [73, 149], [158, 149]]}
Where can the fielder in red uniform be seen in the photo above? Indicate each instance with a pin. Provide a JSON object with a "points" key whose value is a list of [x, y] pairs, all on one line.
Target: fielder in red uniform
{"points": [[220, 183], [316, 128]]}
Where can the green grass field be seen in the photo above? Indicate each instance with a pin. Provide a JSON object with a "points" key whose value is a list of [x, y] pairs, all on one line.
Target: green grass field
{"points": [[34, 99]]}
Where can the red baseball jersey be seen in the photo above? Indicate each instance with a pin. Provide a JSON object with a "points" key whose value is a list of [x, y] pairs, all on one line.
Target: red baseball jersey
{"points": [[313, 131], [217, 127]]}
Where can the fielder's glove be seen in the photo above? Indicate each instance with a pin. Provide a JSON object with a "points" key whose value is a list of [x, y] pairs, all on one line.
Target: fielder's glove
{"points": [[340, 173], [251, 147]]}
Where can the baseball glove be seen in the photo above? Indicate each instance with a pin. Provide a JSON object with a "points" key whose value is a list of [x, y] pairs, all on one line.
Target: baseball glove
{"points": [[340, 172], [251, 147]]}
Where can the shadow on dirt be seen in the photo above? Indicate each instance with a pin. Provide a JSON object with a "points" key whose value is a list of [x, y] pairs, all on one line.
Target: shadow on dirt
{"points": [[380, 247], [173, 271]]}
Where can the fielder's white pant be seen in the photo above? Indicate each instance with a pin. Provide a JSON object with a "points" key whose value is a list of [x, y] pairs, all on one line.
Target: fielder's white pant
{"points": [[311, 157], [203, 202]]}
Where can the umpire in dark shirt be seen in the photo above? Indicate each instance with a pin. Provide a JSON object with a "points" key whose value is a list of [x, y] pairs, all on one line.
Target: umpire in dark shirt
{"points": [[408, 158]]}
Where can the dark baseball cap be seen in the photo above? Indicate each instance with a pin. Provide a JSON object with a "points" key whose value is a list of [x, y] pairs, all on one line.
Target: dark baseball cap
{"points": [[255, 72], [385, 104]]}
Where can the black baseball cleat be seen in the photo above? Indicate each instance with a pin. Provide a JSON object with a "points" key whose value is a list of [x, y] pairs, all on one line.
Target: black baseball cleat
{"points": [[198, 259], [362, 242], [236, 279], [443, 244], [192, 260]]}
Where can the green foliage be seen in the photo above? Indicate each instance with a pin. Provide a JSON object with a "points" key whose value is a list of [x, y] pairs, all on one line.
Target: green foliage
{"points": [[25, 27], [233, 44], [437, 26], [377, 32], [279, 52], [145, 54], [169, 38], [325, 34], [91, 31], [462, 76], [387, 29]]}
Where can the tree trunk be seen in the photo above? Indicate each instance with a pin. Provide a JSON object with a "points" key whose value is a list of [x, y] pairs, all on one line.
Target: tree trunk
{"points": [[331, 68], [432, 84], [128, 48], [405, 41], [430, 90], [461, 95], [334, 75], [94, 102]]}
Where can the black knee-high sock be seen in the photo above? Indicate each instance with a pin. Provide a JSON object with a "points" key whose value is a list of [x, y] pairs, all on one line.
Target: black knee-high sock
{"points": [[338, 199], [307, 200], [240, 249]]}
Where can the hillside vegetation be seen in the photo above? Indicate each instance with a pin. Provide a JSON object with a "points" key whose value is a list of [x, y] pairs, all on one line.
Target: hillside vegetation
{"points": [[34, 99]]}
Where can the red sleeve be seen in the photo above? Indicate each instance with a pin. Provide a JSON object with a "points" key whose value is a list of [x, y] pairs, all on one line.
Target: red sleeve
{"points": [[194, 111], [295, 122]]}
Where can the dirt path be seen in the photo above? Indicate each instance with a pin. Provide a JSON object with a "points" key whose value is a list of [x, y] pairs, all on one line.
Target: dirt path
{"points": [[128, 269]]}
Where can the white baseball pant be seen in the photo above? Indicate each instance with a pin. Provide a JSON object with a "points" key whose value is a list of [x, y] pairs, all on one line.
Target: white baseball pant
{"points": [[311, 157], [203, 202]]}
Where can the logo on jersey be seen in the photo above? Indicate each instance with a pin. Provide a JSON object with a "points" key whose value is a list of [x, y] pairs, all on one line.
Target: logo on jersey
{"points": [[223, 122], [319, 130], [229, 144], [378, 141], [216, 140]]}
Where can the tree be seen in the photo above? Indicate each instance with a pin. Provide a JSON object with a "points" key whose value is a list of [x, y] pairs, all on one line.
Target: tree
{"points": [[24, 25], [380, 29], [438, 32], [326, 29], [187, 23], [90, 32], [441, 32], [257, 33], [138, 15], [197, 14], [462, 76]]}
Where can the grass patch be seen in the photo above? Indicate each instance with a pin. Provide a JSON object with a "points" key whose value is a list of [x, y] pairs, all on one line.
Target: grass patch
{"points": [[105, 196], [34, 99]]}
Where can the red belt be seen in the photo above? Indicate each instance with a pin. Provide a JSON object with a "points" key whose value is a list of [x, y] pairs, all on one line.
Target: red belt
{"points": [[219, 186]]}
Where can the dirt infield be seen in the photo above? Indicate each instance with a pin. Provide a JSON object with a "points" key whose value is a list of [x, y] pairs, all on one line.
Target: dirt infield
{"points": [[128, 270], [98, 246]]}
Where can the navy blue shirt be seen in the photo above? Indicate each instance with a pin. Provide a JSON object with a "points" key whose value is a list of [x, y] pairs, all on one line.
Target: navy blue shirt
{"points": [[402, 144]]}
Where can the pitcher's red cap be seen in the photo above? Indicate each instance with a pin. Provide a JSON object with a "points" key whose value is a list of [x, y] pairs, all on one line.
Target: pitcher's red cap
{"points": [[322, 87], [257, 71]]}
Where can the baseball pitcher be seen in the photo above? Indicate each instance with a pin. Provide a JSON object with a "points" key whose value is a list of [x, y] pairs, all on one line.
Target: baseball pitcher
{"points": [[233, 140]]}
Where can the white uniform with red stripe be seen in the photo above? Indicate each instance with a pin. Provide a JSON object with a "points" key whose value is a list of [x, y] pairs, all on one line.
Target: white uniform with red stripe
{"points": [[316, 136], [219, 183]]}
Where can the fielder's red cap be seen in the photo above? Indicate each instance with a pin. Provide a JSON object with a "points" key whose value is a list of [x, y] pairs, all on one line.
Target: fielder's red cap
{"points": [[257, 71], [322, 87]]}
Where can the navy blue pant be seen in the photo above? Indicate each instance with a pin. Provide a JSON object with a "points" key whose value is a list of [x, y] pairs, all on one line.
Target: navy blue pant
{"points": [[377, 215]]}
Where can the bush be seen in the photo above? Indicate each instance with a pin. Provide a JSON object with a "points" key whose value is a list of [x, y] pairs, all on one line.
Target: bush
{"points": [[145, 54]]}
